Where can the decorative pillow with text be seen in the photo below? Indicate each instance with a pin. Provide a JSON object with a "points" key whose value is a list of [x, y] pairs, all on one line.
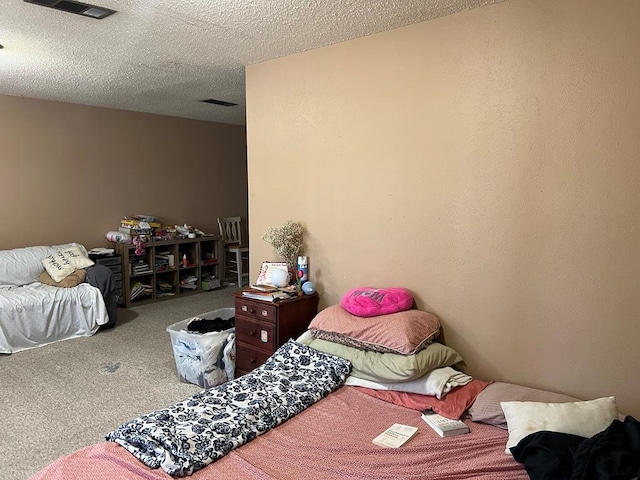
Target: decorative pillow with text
{"points": [[65, 261]]}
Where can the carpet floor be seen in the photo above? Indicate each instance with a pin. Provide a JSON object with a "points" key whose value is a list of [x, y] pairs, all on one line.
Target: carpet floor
{"points": [[64, 396]]}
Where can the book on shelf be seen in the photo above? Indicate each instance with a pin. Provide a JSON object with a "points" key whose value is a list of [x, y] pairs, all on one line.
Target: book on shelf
{"points": [[443, 426], [139, 289], [188, 279], [395, 436], [168, 259], [135, 230]]}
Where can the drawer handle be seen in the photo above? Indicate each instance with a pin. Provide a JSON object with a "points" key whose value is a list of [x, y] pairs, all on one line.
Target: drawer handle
{"points": [[252, 333], [264, 313], [248, 309], [253, 361]]}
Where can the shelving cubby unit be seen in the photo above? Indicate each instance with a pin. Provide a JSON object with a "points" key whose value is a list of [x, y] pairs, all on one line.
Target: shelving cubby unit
{"points": [[161, 270]]}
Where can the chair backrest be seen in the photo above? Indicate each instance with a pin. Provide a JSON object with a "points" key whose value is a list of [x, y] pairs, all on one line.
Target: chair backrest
{"points": [[230, 230]]}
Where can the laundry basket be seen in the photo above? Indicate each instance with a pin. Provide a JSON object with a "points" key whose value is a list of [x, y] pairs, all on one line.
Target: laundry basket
{"points": [[204, 359]]}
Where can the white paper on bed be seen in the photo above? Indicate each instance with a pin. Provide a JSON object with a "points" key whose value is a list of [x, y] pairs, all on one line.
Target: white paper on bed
{"points": [[437, 383]]}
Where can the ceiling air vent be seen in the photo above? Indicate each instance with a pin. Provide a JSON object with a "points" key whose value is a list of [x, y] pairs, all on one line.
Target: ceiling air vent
{"points": [[78, 8], [220, 102]]}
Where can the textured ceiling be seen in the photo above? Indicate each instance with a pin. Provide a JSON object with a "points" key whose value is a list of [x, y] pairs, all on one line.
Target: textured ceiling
{"points": [[163, 57]]}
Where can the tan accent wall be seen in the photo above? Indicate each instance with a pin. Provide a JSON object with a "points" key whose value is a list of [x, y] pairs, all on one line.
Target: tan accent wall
{"points": [[71, 172], [487, 161]]}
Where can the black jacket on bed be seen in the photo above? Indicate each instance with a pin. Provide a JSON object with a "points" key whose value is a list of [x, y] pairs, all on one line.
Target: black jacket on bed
{"points": [[611, 454]]}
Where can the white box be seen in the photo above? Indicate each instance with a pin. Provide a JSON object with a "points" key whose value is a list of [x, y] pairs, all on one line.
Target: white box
{"points": [[204, 359]]}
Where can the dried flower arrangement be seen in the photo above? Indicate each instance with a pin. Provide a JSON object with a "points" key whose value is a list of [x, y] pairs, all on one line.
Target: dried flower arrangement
{"points": [[287, 240]]}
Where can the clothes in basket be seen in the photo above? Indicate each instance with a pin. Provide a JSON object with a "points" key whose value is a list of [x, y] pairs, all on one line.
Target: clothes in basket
{"points": [[204, 359]]}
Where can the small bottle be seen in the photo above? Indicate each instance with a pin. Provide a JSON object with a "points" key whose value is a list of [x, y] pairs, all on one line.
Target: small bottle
{"points": [[303, 266], [185, 262]]}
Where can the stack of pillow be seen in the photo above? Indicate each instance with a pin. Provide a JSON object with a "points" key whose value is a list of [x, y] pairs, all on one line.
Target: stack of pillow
{"points": [[395, 357], [524, 411], [393, 352]]}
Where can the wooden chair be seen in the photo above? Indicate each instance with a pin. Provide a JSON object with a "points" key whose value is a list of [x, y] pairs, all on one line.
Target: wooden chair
{"points": [[236, 252]]}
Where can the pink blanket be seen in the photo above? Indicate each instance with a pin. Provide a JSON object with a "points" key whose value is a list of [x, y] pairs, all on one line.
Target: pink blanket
{"points": [[329, 440]]}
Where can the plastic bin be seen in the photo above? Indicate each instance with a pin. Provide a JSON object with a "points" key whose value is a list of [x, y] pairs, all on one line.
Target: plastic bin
{"points": [[204, 359]]}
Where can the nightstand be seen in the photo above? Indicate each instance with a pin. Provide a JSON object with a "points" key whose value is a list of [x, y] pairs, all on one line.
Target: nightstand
{"points": [[262, 327]]}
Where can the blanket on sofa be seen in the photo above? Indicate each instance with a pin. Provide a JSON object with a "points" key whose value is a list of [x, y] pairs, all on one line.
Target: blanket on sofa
{"points": [[33, 314], [193, 433]]}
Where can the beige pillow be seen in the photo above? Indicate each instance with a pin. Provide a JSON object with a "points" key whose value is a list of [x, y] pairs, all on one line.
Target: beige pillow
{"points": [[577, 418], [65, 261], [405, 332], [486, 407], [71, 280], [388, 367]]}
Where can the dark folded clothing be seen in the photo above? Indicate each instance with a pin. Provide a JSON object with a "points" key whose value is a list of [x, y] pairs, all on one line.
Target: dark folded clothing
{"points": [[101, 277], [611, 454], [204, 325]]}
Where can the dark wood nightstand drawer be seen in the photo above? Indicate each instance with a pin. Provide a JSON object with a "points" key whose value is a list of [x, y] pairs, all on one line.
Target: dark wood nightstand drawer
{"points": [[261, 310], [254, 332], [248, 358], [262, 327]]}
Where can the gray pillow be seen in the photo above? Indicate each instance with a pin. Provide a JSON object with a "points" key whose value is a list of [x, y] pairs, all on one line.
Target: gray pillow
{"points": [[487, 409]]}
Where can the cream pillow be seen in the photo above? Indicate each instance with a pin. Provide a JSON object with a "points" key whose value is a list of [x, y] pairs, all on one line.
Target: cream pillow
{"points": [[65, 261], [577, 418]]}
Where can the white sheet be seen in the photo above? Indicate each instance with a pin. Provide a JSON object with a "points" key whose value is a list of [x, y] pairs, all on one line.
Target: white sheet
{"points": [[36, 314]]}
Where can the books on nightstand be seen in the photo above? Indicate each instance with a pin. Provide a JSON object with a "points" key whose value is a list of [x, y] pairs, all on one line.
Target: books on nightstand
{"points": [[443, 426], [395, 436], [274, 296]]}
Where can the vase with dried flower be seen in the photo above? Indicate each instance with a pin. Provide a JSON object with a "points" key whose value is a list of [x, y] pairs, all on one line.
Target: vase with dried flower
{"points": [[287, 241]]}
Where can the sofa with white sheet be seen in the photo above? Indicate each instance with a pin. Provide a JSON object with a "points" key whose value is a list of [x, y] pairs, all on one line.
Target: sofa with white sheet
{"points": [[47, 295]]}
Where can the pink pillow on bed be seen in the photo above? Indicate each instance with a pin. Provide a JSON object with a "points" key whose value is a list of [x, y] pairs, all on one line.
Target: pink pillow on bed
{"points": [[371, 302], [405, 332]]}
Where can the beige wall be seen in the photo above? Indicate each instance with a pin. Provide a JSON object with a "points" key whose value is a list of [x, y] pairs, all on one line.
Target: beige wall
{"points": [[487, 161], [71, 172]]}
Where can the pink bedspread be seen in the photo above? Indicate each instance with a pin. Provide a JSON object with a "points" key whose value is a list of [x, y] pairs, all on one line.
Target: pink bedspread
{"points": [[329, 440]]}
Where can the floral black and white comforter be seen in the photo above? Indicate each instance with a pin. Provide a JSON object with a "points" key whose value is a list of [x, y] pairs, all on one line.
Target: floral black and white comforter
{"points": [[193, 433]]}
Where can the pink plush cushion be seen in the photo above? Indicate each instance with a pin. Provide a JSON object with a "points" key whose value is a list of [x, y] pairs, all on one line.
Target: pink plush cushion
{"points": [[371, 302], [405, 333]]}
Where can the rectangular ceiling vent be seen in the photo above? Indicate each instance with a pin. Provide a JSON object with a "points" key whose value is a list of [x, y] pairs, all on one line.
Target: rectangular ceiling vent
{"points": [[220, 102], [78, 8]]}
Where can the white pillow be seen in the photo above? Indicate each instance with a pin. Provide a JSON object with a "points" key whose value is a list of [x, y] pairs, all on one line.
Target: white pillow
{"points": [[577, 418], [66, 261], [437, 383]]}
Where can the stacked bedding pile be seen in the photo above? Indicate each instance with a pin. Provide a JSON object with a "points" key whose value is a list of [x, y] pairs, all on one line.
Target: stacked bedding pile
{"points": [[393, 351], [395, 357]]}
